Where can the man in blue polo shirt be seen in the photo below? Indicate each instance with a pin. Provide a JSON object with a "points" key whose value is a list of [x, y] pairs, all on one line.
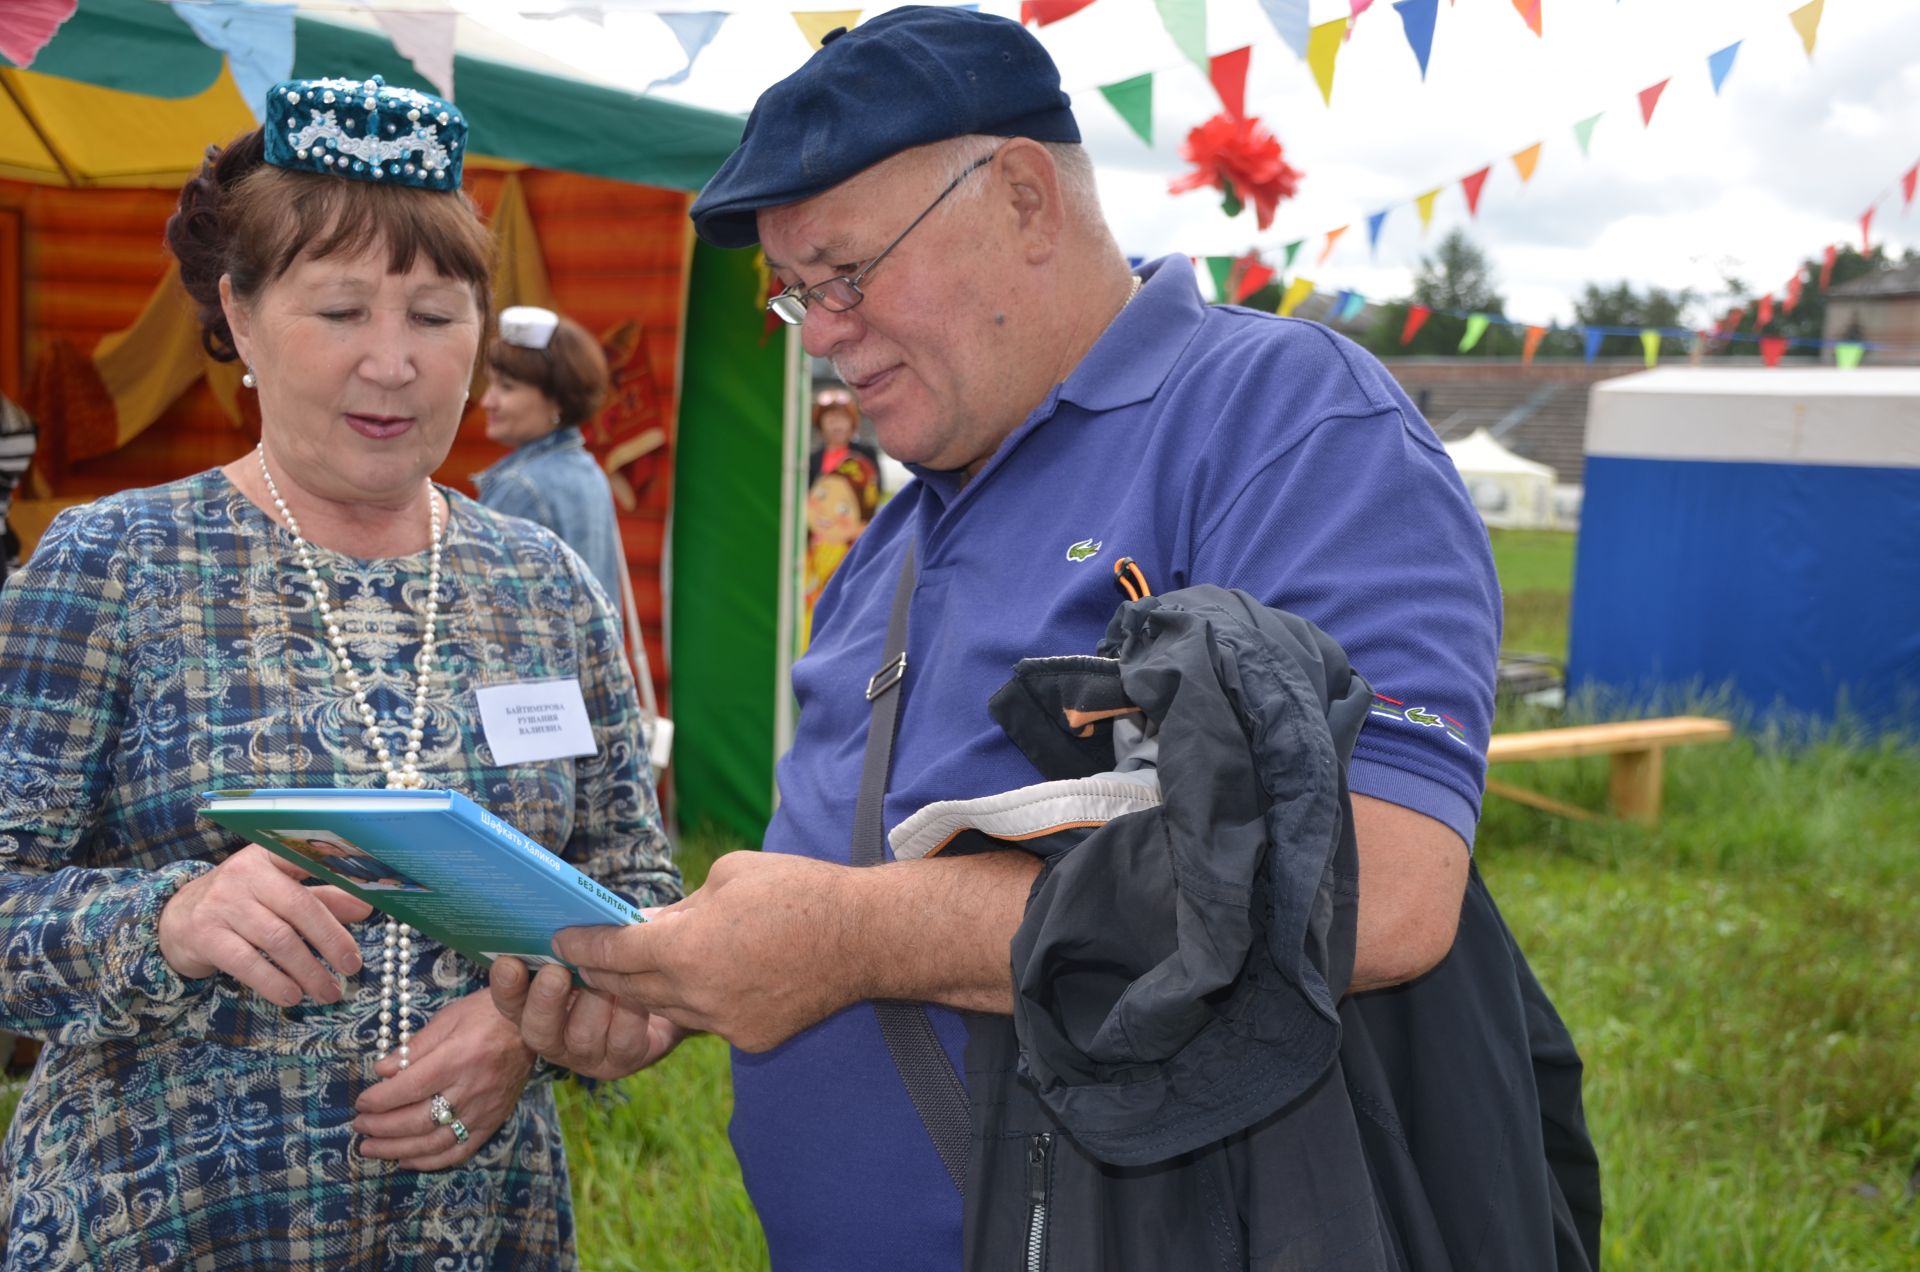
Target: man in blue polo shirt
{"points": [[919, 191]]}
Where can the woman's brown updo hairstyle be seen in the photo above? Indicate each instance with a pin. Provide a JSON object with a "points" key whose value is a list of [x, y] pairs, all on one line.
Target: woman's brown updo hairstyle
{"points": [[246, 219], [571, 370]]}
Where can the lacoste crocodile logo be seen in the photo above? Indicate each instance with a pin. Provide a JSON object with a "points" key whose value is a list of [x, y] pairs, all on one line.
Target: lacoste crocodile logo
{"points": [[1085, 550], [1419, 715]]}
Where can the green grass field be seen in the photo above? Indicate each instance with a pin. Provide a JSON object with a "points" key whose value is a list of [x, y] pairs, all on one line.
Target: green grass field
{"points": [[1743, 980]]}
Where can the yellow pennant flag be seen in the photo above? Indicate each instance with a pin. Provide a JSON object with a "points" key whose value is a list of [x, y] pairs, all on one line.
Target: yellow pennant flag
{"points": [[1650, 345], [1806, 20], [1297, 290], [1323, 46], [816, 25], [1333, 236], [1476, 328], [1425, 204], [1532, 345], [1524, 162]]}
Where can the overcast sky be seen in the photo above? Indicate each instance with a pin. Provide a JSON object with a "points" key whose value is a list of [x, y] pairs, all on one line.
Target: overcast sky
{"points": [[1747, 183]]}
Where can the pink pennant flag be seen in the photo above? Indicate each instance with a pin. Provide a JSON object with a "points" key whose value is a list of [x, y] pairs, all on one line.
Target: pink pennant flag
{"points": [[1771, 347], [1228, 71], [1794, 287], [426, 40], [1471, 183], [1529, 11], [1826, 266], [1333, 236], [27, 25], [1866, 231], [1649, 98], [1766, 311], [1908, 181], [1416, 318]]}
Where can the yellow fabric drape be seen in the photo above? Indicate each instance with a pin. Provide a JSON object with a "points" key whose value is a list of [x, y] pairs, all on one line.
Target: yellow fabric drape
{"points": [[151, 363], [519, 267]]}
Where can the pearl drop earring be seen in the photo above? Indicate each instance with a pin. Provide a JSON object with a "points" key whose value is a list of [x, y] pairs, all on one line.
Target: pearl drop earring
{"points": [[248, 379]]}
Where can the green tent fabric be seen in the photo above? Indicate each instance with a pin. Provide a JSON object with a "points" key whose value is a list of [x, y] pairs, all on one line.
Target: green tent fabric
{"points": [[139, 46], [726, 551]]}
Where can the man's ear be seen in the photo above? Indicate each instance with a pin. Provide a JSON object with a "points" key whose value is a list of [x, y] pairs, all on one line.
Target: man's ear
{"points": [[1032, 183], [239, 320]]}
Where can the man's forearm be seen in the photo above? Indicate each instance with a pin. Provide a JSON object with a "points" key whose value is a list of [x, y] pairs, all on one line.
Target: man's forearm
{"points": [[937, 930]]}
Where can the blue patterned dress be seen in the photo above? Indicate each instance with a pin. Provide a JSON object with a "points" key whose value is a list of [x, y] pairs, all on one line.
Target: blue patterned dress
{"points": [[162, 643]]}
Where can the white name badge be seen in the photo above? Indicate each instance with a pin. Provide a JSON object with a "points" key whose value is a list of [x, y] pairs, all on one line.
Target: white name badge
{"points": [[535, 720]]}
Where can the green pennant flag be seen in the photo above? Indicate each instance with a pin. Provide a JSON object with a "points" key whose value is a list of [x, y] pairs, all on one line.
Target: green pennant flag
{"points": [[1846, 355], [1133, 100], [1186, 22], [1476, 327], [1650, 345], [1583, 131], [1293, 250], [1221, 267]]}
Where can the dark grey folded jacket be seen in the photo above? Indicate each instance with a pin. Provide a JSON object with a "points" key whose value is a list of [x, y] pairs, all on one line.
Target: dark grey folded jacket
{"points": [[1184, 1082]]}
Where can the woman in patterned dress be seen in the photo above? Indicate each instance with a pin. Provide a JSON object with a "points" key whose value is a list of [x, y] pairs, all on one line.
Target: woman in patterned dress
{"points": [[315, 613]]}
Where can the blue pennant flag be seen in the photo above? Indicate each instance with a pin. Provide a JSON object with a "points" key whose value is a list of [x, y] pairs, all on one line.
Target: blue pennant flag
{"points": [[256, 38], [1374, 223], [1720, 63], [1289, 18], [1593, 342], [694, 31], [1417, 17]]}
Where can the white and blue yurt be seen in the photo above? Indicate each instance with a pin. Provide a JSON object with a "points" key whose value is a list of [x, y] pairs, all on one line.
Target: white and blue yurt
{"points": [[1757, 529]]}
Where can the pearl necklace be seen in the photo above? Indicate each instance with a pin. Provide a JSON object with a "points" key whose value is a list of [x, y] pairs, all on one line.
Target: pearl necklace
{"points": [[396, 957]]}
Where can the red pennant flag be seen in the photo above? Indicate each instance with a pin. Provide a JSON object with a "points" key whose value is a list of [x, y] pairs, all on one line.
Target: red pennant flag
{"points": [[1766, 311], [1649, 98], [1250, 275], [1866, 231], [1041, 12], [1826, 266], [1471, 184], [1228, 71], [1771, 347], [1416, 318], [1532, 345], [1907, 183], [1794, 286], [1529, 11]]}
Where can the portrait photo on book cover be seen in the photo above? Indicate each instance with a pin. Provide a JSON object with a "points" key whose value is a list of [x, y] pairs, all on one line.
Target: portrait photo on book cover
{"points": [[329, 850]]}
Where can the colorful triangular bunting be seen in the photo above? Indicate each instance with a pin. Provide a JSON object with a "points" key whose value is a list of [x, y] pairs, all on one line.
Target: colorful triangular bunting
{"points": [[1228, 71], [1355, 302], [1650, 345], [1132, 100], [694, 31], [815, 26], [1472, 183], [1041, 12], [1333, 236], [1417, 17], [1866, 231], [1846, 354], [1593, 339], [1289, 19], [1220, 269], [1771, 347], [1583, 131], [1529, 11], [1323, 47], [1292, 250], [1524, 162], [1417, 316], [1826, 265], [1907, 182], [1424, 205], [1374, 223], [1531, 345], [1476, 327], [1718, 64], [1186, 22], [1297, 290], [1806, 20], [1649, 98], [26, 27]]}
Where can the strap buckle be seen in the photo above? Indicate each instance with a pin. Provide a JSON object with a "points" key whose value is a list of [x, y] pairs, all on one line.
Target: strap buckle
{"points": [[888, 676]]}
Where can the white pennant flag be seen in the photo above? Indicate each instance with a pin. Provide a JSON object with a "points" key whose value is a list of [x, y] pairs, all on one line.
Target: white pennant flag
{"points": [[426, 40]]}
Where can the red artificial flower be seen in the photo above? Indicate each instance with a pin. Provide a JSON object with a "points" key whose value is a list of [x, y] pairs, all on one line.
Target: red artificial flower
{"points": [[1242, 160]]}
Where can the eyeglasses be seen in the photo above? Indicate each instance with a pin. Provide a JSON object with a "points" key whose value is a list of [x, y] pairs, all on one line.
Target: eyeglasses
{"points": [[842, 292]]}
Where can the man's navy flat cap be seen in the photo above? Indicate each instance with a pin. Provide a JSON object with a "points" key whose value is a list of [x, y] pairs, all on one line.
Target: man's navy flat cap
{"points": [[909, 77]]}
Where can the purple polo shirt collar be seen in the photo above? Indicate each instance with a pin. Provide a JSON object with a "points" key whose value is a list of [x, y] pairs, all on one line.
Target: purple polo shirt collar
{"points": [[1127, 365]]}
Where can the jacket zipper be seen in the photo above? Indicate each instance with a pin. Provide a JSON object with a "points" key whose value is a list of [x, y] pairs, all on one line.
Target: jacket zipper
{"points": [[1039, 1150]]}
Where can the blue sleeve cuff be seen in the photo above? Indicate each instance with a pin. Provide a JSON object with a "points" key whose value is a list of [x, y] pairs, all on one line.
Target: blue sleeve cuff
{"points": [[1421, 794]]}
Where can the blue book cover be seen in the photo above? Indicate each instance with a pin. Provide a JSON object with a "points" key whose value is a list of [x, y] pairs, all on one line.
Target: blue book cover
{"points": [[434, 859]]}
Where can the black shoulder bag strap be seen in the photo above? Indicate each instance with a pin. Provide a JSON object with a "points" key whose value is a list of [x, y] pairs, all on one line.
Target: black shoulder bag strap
{"points": [[936, 1090]]}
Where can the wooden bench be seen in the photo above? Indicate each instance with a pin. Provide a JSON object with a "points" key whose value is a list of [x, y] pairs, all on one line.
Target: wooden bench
{"points": [[1637, 747]]}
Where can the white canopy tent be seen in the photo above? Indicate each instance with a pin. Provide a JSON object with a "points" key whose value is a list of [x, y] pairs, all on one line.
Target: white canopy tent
{"points": [[1511, 493]]}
